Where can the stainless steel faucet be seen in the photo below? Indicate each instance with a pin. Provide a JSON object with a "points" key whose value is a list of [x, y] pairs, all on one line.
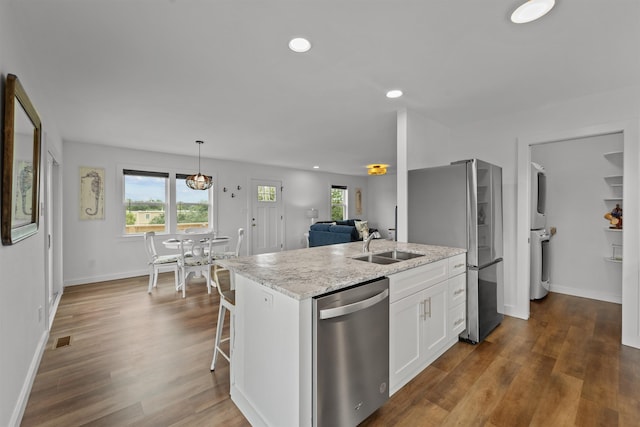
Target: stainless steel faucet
{"points": [[367, 241]]}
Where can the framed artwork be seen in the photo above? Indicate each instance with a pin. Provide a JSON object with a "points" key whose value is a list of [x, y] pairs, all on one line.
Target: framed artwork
{"points": [[358, 201], [20, 164], [91, 193]]}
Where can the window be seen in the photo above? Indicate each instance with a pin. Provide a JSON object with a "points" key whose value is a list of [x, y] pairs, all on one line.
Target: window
{"points": [[266, 193], [192, 206], [338, 202], [145, 201]]}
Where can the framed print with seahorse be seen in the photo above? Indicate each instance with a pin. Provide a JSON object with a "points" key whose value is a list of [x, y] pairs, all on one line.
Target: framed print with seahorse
{"points": [[91, 193]]}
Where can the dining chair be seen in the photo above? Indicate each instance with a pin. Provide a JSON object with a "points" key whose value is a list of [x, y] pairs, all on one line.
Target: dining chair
{"points": [[195, 258], [231, 254], [228, 254], [159, 263], [227, 303]]}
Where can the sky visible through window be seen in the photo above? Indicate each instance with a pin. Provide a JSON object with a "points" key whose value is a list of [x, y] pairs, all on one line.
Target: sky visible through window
{"points": [[143, 188]]}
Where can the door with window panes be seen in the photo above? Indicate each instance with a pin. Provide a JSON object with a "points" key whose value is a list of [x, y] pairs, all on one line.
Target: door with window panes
{"points": [[266, 217]]}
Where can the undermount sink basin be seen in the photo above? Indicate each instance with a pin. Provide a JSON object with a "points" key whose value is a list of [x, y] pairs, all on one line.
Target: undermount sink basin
{"points": [[399, 255], [375, 259]]}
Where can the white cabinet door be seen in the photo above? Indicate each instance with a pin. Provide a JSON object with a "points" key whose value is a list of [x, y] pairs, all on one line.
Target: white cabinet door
{"points": [[435, 317], [405, 339]]}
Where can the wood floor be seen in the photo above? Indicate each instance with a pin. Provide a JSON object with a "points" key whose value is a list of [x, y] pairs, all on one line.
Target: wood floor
{"points": [[143, 360]]}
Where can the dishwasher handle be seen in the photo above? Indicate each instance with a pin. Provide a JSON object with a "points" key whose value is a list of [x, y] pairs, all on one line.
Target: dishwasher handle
{"points": [[329, 313]]}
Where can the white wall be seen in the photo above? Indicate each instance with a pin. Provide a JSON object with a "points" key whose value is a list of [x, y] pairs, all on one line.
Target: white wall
{"points": [[97, 250], [575, 171], [22, 266], [496, 141], [382, 203]]}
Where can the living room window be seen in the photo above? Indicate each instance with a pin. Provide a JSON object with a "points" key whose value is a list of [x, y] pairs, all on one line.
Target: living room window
{"points": [[145, 201], [338, 202]]}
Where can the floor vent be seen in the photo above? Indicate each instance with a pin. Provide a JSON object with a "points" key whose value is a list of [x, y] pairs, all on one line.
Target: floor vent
{"points": [[63, 341]]}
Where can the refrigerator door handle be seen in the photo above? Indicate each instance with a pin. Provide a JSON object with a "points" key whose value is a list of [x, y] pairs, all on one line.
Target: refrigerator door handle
{"points": [[475, 267]]}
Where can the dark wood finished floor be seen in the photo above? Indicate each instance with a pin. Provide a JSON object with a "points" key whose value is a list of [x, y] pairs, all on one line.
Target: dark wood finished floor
{"points": [[143, 360]]}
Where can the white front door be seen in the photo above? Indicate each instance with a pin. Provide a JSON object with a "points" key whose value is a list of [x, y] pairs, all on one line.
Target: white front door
{"points": [[266, 216]]}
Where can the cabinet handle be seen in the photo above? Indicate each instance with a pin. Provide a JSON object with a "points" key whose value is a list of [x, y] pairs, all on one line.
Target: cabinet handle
{"points": [[423, 310], [459, 291], [459, 321], [427, 313], [458, 265]]}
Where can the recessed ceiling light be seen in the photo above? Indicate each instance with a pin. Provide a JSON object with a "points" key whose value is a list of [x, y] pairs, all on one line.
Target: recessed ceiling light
{"points": [[299, 45], [316, 167], [394, 93], [531, 10]]}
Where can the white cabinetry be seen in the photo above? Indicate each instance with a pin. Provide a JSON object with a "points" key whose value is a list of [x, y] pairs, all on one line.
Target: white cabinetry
{"points": [[426, 314]]}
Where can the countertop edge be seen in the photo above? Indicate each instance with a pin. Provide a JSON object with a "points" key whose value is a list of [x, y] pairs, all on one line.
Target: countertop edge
{"points": [[331, 267]]}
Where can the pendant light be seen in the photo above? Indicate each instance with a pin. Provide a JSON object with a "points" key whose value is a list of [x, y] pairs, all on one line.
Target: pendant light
{"points": [[199, 181]]}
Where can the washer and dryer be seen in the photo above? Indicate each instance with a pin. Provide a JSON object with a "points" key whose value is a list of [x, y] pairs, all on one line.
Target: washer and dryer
{"points": [[539, 264], [539, 237]]}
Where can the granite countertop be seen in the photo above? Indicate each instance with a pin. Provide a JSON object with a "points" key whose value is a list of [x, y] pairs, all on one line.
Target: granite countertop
{"points": [[305, 273]]}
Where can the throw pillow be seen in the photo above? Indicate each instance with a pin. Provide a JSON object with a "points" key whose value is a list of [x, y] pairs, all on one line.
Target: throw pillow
{"points": [[363, 228]]}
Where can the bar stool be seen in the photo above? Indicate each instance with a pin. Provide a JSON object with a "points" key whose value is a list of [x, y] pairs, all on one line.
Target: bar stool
{"points": [[227, 303]]}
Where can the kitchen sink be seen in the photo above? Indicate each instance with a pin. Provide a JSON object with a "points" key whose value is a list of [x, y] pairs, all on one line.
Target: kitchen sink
{"points": [[398, 255], [375, 259]]}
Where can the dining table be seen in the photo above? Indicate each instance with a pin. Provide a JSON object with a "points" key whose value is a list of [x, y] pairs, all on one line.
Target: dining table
{"points": [[174, 243]]}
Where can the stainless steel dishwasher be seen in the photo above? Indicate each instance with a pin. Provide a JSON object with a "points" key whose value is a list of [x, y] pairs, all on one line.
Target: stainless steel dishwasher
{"points": [[350, 353]]}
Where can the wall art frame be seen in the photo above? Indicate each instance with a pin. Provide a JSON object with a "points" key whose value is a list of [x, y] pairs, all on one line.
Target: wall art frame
{"points": [[21, 145], [91, 193]]}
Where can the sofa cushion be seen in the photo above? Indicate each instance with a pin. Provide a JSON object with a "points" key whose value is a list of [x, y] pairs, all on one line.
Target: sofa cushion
{"points": [[321, 238], [345, 229], [363, 228], [321, 226], [351, 222]]}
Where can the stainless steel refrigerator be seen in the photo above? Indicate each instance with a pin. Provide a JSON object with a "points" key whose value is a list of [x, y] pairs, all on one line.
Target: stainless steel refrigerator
{"points": [[460, 205]]}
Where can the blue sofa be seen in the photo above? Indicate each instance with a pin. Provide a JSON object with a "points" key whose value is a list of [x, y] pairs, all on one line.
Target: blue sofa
{"points": [[328, 233]]}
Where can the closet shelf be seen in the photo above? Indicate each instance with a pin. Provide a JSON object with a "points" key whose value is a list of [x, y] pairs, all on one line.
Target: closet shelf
{"points": [[614, 155]]}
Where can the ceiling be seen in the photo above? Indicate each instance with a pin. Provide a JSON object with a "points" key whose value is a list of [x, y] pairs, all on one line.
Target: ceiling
{"points": [[160, 74]]}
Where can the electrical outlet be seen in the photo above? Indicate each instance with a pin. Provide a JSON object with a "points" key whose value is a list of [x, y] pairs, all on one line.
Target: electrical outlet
{"points": [[267, 299]]}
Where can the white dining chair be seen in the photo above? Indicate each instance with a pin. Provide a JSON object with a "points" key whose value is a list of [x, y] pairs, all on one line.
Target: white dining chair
{"points": [[231, 254], [227, 303], [159, 263], [195, 257]]}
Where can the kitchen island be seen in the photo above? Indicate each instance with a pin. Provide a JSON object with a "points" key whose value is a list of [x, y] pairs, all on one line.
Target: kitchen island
{"points": [[271, 366]]}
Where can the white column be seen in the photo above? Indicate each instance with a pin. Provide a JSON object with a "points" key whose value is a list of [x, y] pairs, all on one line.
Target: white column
{"points": [[402, 177]]}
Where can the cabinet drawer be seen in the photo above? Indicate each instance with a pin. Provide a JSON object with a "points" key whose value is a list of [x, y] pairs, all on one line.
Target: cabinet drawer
{"points": [[457, 289], [457, 319], [416, 279], [457, 264]]}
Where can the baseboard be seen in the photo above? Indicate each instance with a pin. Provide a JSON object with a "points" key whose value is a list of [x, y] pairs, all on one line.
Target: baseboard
{"points": [[105, 278], [247, 409], [585, 293], [512, 311], [21, 404]]}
